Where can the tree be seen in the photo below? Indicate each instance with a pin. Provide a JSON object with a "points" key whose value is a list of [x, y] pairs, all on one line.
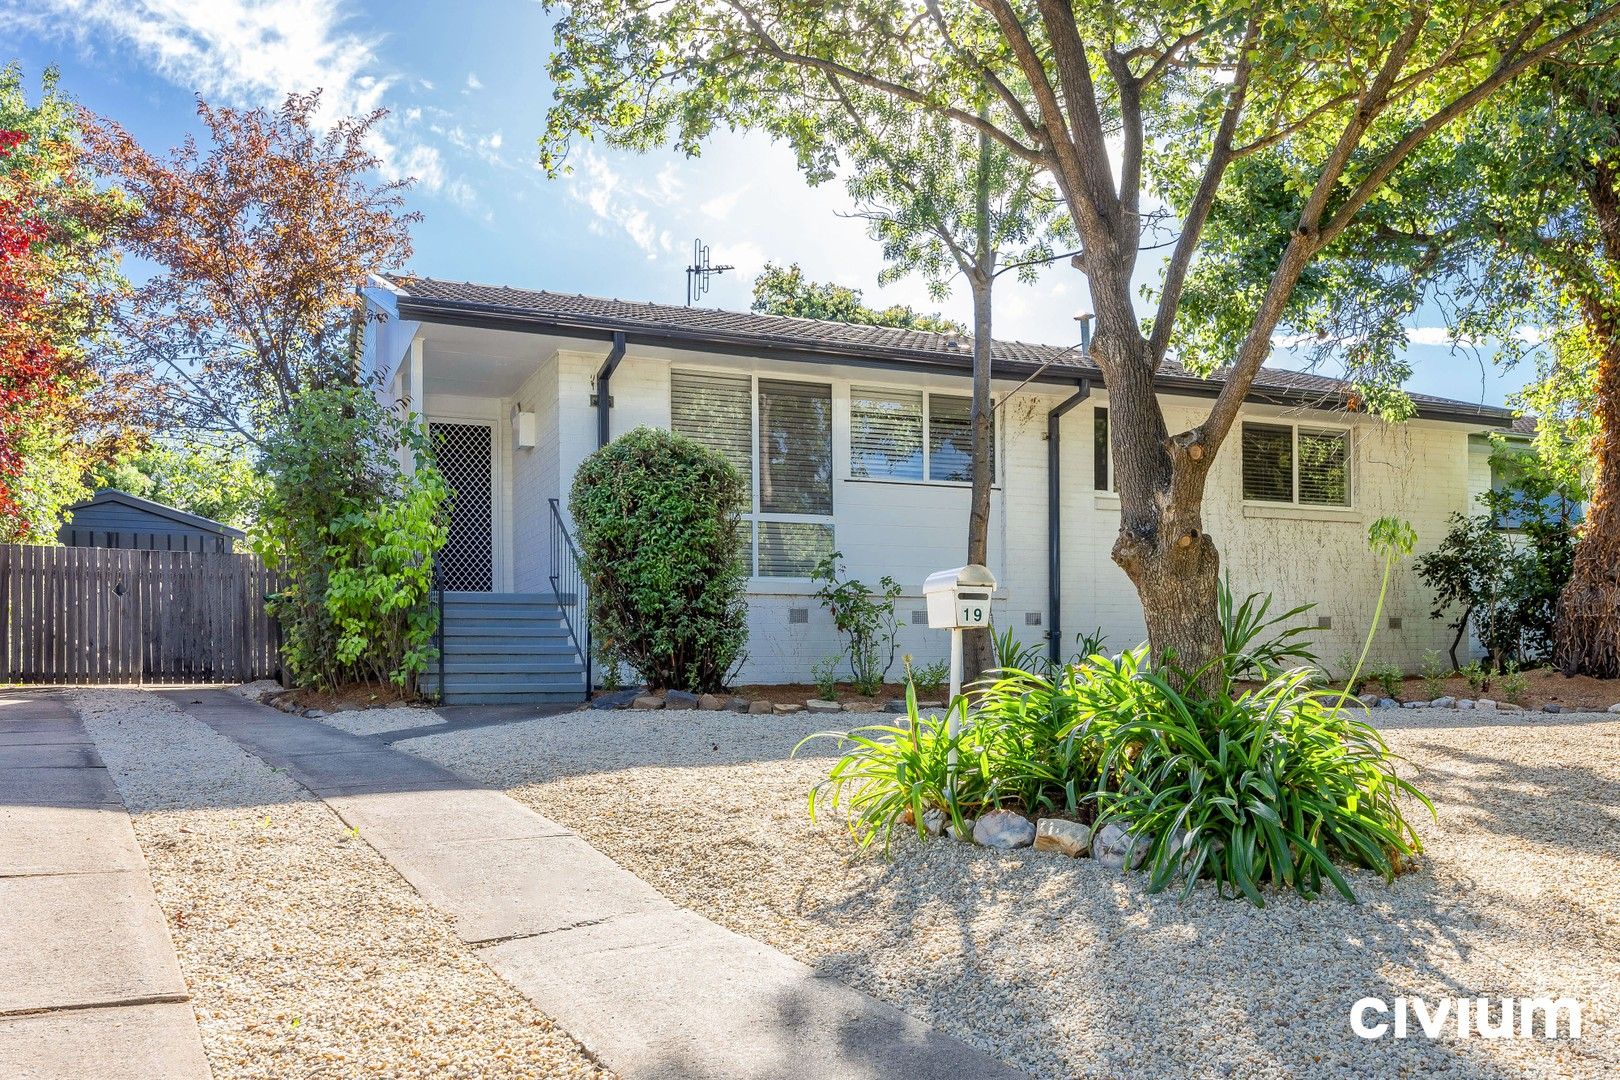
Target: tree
{"points": [[218, 481], [784, 290], [60, 413], [1513, 219], [261, 240], [1112, 101]]}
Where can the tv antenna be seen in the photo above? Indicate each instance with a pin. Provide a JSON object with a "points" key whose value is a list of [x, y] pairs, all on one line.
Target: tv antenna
{"points": [[698, 274]]}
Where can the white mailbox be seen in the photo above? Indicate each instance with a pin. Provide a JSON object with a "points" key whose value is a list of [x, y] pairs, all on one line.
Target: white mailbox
{"points": [[960, 598]]}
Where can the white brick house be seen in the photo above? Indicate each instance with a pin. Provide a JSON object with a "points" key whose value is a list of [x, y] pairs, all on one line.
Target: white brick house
{"points": [[852, 438]]}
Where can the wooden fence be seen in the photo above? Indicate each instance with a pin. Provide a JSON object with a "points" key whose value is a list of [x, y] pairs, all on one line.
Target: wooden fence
{"points": [[104, 615]]}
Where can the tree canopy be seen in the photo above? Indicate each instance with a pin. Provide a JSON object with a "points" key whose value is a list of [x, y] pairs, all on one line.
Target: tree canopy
{"points": [[784, 290]]}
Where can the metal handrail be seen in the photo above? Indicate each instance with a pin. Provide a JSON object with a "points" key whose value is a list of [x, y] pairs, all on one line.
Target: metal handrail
{"points": [[566, 571], [437, 590]]}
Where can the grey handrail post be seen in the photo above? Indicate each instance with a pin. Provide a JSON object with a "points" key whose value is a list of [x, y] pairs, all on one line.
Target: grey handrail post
{"points": [[566, 568]]}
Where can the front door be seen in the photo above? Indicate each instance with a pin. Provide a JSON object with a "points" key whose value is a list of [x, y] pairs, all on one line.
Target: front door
{"points": [[466, 458]]}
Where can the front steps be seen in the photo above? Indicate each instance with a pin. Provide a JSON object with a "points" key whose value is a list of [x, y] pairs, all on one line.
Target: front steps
{"points": [[506, 649]]}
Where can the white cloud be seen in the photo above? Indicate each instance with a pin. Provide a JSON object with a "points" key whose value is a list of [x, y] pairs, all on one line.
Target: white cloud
{"points": [[721, 206], [472, 81], [1428, 335], [249, 53]]}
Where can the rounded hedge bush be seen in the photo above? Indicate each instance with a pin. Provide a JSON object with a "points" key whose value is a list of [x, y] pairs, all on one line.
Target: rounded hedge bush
{"points": [[658, 530]]}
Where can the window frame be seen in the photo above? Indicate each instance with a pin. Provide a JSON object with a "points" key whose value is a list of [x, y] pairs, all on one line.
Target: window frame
{"points": [[1310, 428], [754, 516], [927, 480]]}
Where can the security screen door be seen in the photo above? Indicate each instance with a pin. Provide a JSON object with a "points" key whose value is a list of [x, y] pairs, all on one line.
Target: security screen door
{"points": [[466, 458]]}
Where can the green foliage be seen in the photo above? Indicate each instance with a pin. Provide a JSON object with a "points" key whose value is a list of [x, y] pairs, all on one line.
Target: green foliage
{"points": [[663, 557], [355, 534], [217, 481], [866, 619], [1500, 572], [1435, 673], [1268, 787], [782, 290], [1514, 684], [1390, 679], [1015, 655], [1254, 646], [927, 678], [1479, 680], [824, 674]]}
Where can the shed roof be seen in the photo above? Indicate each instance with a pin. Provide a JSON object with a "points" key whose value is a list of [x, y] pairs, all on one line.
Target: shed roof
{"points": [[114, 497]]}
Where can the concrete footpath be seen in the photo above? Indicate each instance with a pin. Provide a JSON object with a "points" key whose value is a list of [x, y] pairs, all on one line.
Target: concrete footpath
{"points": [[651, 989], [89, 983]]}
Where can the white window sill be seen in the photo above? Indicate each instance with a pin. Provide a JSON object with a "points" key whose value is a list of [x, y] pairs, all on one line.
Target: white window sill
{"points": [[1105, 500], [964, 484], [1294, 512], [781, 586]]}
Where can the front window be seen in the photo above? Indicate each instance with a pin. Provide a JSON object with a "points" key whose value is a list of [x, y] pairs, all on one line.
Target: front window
{"points": [[778, 435], [1307, 466], [909, 435]]}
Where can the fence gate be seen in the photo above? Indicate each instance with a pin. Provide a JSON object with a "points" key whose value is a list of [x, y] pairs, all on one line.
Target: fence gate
{"points": [[108, 615]]}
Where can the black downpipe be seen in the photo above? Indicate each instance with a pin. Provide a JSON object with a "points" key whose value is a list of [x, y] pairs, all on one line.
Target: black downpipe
{"points": [[1054, 520], [604, 383]]}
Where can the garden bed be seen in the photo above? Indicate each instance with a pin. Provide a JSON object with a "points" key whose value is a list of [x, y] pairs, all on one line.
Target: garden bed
{"points": [[1063, 967], [1542, 687]]}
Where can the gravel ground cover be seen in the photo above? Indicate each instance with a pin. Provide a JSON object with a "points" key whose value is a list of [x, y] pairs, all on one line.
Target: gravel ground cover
{"points": [[1066, 969], [305, 953], [361, 721]]}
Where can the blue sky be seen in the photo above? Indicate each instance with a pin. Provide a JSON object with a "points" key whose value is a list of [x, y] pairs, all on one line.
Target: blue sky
{"points": [[466, 89]]}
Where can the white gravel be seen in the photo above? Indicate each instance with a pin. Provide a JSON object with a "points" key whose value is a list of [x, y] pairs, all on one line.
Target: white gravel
{"points": [[305, 953], [1066, 969], [373, 721]]}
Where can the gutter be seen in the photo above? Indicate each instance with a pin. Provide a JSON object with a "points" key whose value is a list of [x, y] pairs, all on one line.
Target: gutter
{"points": [[1054, 519], [604, 382]]}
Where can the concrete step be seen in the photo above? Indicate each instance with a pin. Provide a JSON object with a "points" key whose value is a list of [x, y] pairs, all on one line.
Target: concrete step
{"points": [[522, 697], [505, 632], [502, 614], [455, 664]]}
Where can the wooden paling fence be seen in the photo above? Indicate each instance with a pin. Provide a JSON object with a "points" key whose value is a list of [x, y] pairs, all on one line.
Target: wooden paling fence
{"points": [[106, 615]]}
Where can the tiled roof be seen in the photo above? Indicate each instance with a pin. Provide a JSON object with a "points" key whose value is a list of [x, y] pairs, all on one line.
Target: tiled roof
{"points": [[838, 340]]}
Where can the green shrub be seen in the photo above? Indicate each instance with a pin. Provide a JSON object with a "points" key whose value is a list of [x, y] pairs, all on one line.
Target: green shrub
{"points": [[1479, 679], [1257, 644], [868, 620], [824, 674], [662, 556], [1267, 787], [355, 535], [1514, 684], [1435, 674], [928, 678], [1390, 679]]}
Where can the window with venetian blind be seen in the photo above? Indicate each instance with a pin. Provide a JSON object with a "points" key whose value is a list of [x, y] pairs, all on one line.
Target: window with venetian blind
{"points": [[909, 435], [1286, 463], [778, 434]]}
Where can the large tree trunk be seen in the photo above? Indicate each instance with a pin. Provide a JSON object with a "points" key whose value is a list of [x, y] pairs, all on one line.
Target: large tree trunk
{"points": [[1161, 545], [1586, 635]]}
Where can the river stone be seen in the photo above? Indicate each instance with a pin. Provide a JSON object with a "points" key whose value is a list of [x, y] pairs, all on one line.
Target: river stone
{"points": [[1415, 705], [786, 710], [1615, 707], [898, 705], [933, 821], [1369, 700], [680, 699], [1443, 702], [1552, 706], [1004, 830], [1508, 706], [1063, 836], [1485, 703], [760, 708], [1113, 846], [315, 714], [711, 702], [1465, 703], [1388, 703], [739, 704], [648, 701], [819, 705]]}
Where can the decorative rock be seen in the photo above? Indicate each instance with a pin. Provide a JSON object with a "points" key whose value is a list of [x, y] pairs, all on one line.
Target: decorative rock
{"points": [[711, 703], [1465, 703], [1369, 700], [680, 699], [1388, 703], [315, 714], [1113, 846], [1415, 705], [1509, 707], [1063, 836], [930, 704], [648, 701], [739, 704], [817, 705], [760, 708], [1004, 830], [955, 834], [786, 710], [933, 821], [1552, 706], [1443, 702], [615, 699], [1485, 703], [1615, 707], [898, 705]]}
